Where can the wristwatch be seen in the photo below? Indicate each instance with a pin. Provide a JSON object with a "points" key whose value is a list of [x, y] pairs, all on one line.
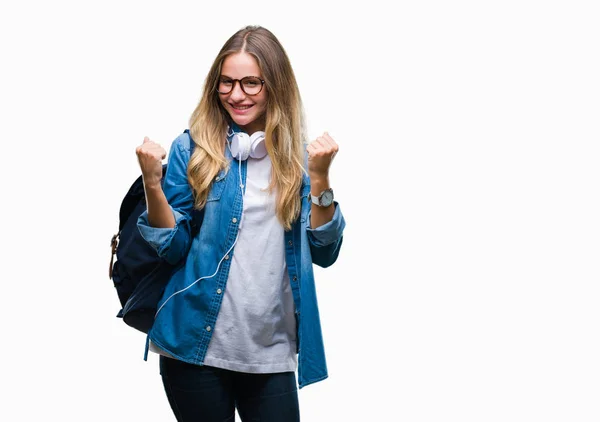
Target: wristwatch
{"points": [[325, 199]]}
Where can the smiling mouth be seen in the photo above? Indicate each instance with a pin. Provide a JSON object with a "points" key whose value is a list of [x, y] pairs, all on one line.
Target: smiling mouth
{"points": [[241, 107]]}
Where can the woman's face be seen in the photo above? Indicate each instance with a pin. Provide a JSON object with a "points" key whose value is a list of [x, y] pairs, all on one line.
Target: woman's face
{"points": [[247, 111]]}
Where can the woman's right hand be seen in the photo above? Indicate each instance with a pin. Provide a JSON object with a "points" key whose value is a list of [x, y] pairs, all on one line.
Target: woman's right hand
{"points": [[150, 156]]}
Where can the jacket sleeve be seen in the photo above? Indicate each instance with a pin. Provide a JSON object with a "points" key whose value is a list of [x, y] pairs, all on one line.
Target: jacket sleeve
{"points": [[325, 241], [173, 244]]}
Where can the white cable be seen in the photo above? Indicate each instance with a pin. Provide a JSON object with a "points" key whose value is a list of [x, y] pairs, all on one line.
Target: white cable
{"points": [[201, 278]]}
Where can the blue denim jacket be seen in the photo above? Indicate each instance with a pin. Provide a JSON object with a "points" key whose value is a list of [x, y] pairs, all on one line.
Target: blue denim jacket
{"points": [[183, 326]]}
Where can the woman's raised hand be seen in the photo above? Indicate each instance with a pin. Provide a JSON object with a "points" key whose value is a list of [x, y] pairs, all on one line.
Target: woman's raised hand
{"points": [[150, 155]]}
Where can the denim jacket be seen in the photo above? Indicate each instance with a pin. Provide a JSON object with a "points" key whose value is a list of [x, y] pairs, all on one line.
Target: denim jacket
{"points": [[183, 325]]}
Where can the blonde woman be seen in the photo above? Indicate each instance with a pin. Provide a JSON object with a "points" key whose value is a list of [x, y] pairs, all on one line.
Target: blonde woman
{"points": [[239, 317]]}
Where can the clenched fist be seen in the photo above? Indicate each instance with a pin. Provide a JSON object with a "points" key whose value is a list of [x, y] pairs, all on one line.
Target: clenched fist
{"points": [[321, 152], [150, 156]]}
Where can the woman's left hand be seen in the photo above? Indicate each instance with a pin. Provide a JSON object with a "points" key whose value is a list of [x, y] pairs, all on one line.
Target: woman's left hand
{"points": [[321, 152]]}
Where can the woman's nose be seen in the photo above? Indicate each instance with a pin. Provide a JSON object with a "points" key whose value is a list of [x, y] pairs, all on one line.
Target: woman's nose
{"points": [[237, 93]]}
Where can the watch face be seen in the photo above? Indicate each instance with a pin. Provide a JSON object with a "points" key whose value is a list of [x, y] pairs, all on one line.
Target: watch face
{"points": [[327, 198]]}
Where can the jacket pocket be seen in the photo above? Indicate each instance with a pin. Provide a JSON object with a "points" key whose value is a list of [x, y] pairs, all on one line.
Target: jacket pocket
{"points": [[218, 185]]}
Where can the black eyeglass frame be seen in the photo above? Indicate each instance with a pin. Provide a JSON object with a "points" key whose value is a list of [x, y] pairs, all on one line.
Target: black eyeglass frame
{"points": [[233, 81]]}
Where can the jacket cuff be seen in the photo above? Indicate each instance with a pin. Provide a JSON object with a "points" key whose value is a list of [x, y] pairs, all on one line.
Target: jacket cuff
{"points": [[329, 232], [157, 237]]}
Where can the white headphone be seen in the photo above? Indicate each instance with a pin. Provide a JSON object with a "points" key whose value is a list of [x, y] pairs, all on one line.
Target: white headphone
{"points": [[244, 146]]}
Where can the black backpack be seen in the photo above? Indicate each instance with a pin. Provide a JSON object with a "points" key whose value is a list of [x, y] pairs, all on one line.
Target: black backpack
{"points": [[139, 274]]}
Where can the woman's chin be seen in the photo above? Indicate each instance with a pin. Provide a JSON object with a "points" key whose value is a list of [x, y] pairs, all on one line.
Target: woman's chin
{"points": [[248, 122], [241, 121]]}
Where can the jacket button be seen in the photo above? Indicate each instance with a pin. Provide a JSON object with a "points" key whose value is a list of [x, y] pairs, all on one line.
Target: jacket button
{"points": [[226, 257], [290, 242], [219, 291], [208, 328], [295, 278], [234, 220]]}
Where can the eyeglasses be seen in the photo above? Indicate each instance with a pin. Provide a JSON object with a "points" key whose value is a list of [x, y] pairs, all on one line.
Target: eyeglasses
{"points": [[251, 85]]}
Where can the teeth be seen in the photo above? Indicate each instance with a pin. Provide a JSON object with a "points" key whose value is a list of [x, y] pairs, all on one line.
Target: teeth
{"points": [[241, 107]]}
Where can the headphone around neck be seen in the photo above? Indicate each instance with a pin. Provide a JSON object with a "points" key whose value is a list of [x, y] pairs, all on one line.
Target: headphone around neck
{"points": [[244, 146]]}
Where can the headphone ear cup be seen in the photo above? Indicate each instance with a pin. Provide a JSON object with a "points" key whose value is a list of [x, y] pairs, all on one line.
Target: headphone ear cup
{"points": [[257, 145], [240, 146]]}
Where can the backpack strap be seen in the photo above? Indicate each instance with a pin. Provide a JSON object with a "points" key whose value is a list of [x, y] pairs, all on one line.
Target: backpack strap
{"points": [[192, 143], [197, 215]]}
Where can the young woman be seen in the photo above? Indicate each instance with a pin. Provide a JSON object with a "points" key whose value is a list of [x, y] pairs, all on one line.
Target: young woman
{"points": [[240, 315]]}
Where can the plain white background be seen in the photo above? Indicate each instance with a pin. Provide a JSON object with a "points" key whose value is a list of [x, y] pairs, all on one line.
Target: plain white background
{"points": [[467, 287]]}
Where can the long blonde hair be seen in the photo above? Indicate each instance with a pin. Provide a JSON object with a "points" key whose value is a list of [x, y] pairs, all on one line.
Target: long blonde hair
{"points": [[285, 131]]}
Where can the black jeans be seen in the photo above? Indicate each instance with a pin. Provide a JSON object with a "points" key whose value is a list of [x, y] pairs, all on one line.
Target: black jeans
{"points": [[206, 394]]}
